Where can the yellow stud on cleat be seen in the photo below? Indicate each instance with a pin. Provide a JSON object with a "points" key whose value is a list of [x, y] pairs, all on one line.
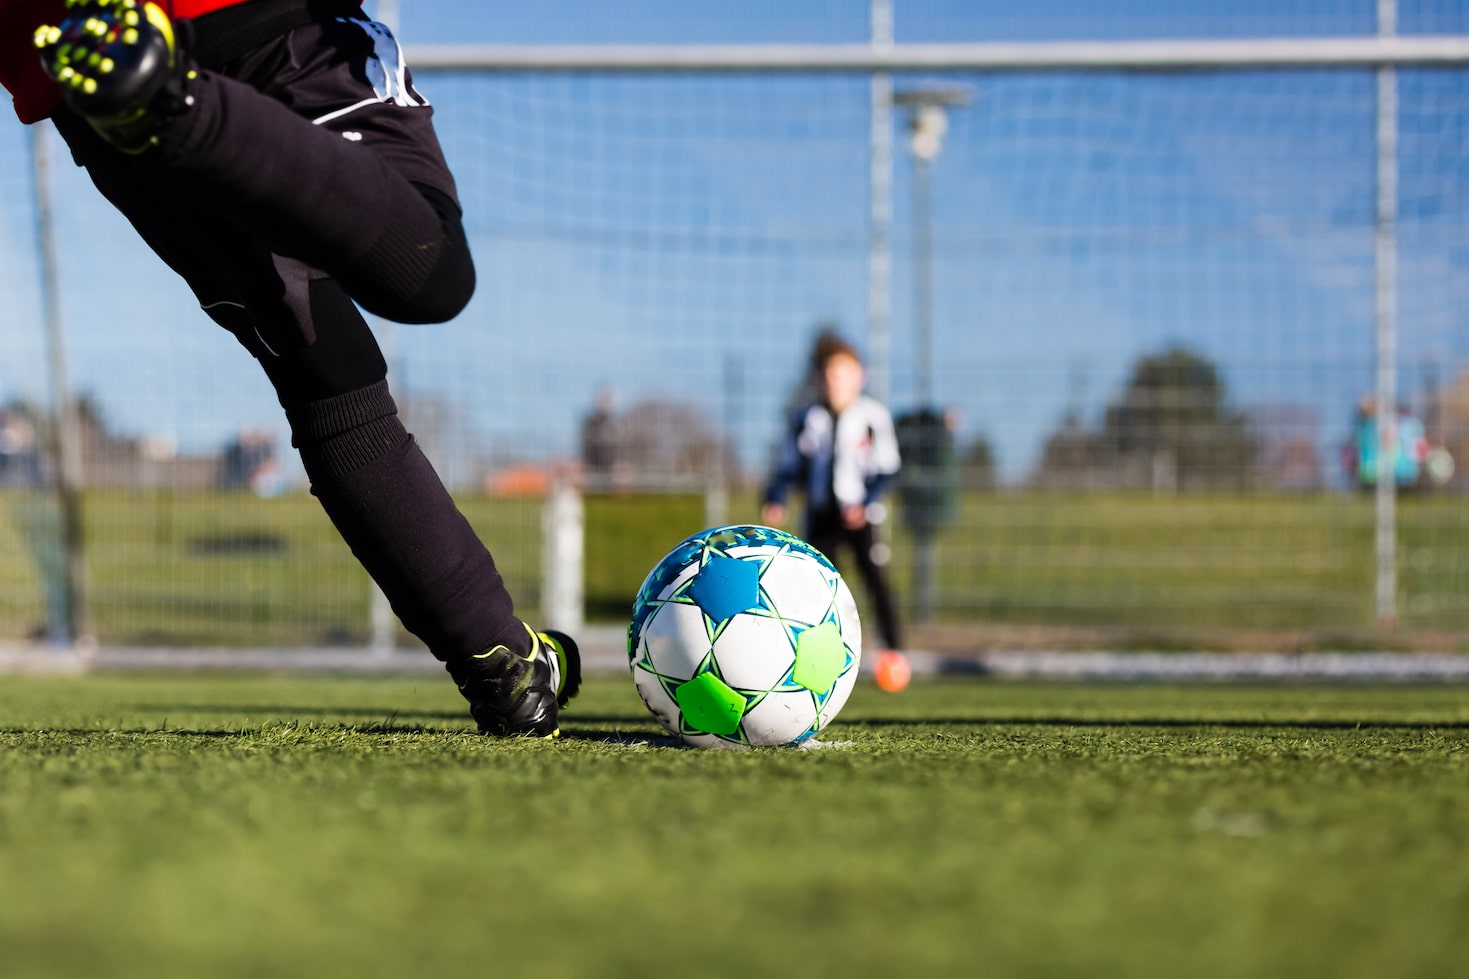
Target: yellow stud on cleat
{"points": [[119, 66]]}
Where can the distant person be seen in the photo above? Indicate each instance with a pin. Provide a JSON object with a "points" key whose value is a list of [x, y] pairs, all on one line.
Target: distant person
{"points": [[599, 440], [20, 451], [276, 155], [1407, 457], [244, 457], [841, 451]]}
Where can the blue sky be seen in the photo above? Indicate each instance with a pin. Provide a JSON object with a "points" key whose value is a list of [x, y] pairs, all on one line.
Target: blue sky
{"points": [[680, 238]]}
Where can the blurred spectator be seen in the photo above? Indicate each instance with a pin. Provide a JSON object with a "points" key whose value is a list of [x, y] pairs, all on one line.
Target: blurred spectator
{"points": [[249, 462], [1409, 454], [20, 450], [600, 440]]}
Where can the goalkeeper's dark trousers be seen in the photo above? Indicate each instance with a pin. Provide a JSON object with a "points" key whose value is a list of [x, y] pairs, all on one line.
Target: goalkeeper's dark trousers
{"points": [[826, 532], [292, 187]]}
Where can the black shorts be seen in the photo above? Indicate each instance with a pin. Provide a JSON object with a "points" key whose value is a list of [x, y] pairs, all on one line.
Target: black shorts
{"points": [[332, 65], [329, 65]]}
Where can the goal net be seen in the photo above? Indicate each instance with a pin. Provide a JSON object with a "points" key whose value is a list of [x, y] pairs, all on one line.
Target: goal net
{"points": [[1137, 309]]}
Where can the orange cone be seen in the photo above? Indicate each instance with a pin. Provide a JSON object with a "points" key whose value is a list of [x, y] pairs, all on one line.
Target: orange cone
{"points": [[892, 671]]}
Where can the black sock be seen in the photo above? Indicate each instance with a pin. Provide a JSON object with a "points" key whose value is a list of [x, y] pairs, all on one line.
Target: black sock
{"points": [[390, 506]]}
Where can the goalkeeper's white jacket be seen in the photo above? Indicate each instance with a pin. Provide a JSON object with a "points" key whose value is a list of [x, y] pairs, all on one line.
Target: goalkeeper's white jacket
{"points": [[838, 460]]}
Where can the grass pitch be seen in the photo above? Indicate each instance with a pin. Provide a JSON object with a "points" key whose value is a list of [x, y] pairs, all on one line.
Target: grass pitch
{"points": [[246, 826], [228, 569]]}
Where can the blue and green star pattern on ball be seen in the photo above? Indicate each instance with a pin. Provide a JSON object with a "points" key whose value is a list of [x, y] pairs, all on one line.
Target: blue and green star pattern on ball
{"points": [[744, 636]]}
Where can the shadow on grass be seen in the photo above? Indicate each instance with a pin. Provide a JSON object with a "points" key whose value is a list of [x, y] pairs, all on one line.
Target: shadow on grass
{"points": [[629, 739], [285, 720], [278, 710], [626, 728], [1140, 722], [599, 728], [614, 735], [295, 710]]}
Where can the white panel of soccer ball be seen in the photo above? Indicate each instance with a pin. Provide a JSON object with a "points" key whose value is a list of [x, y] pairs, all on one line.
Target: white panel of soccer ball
{"points": [[754, 650]]}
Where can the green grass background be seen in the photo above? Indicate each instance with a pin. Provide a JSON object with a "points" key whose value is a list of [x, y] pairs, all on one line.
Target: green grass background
{"points": [[231, 569], [248, 826]]}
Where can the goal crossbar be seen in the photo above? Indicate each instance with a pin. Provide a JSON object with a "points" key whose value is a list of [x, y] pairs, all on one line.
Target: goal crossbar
{"points": [[1172, 55]]}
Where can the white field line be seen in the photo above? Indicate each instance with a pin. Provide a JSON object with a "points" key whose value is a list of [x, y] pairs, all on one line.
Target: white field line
{"points": [[604, 652]]}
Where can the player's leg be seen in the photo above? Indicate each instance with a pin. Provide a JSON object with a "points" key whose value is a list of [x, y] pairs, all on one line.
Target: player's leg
{"points": [[350, 178], [890, 669], [823, 531], [865, 547], [372, 480], [390, 506], [828, 534]]}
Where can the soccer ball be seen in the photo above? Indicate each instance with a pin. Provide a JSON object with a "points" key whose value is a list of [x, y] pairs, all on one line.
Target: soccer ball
{"points": [[744, 636]]}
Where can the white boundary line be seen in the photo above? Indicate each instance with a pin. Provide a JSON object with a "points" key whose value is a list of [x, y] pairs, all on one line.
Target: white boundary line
{"points": [[604, 653], [1194, 667]]}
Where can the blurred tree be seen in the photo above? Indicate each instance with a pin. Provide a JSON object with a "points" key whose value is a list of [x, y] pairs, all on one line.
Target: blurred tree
{"points": [[977, 465], [670, 442], [1069, 457], [1175, 410], [1171, 428], [459, 450], [108, 456], [1452, 421]]}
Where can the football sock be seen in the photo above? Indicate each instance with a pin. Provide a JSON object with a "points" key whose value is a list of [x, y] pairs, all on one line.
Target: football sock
{"points": [[387, 502]]}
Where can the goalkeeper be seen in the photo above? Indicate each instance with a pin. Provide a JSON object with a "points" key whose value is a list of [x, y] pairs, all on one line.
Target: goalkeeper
{"points": [[841, 450], [275, 154]]}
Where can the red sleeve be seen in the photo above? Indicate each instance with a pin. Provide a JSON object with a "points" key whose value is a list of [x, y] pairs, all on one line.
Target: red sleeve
{"points": [[20, 67], [186, 9]]}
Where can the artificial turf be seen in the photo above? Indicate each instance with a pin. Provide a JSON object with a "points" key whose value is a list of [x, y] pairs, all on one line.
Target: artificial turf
{"points": [[250, 826]]}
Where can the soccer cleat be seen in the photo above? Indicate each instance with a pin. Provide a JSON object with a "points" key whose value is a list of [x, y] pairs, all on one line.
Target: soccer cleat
{"points": [[120, 67], [513, 694]]}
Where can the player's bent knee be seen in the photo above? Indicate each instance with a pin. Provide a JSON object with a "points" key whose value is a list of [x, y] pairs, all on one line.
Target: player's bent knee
{"points": [[446, 292], [450, 283], [439, 297]]}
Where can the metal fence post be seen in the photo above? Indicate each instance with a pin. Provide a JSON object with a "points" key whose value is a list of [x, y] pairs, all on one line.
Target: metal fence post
{"points": [[65, 441]]}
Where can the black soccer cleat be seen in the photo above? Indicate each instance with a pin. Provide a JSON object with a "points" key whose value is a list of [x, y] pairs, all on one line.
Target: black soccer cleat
{"points": [[120, 66], [513, 694]]}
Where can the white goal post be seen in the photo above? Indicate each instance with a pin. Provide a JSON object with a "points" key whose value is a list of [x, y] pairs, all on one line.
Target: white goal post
{"points": [[1179, 55]]}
